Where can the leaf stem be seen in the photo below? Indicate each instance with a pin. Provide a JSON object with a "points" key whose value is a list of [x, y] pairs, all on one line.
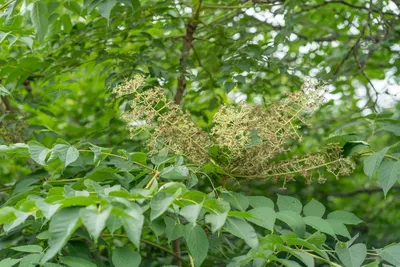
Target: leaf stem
{"points": [[156, 174], [371, 153], [320, 258], [65, 180]]}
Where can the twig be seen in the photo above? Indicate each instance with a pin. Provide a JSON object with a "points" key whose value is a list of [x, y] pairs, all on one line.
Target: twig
{"points": [[202, 66], [121, 157], [308, 8], [156, 174], [349, 52], [6, 4]]}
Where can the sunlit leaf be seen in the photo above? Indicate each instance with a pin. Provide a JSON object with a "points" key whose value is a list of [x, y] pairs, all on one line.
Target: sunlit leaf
{"points": [[124, 257], [39, 19], [62, 226]]}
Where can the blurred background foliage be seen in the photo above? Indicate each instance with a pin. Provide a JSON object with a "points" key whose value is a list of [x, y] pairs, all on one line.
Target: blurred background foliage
{"points": [[59, 61]]}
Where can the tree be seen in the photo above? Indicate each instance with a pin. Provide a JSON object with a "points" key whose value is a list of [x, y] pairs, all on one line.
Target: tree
{"points": [[78, 189]]}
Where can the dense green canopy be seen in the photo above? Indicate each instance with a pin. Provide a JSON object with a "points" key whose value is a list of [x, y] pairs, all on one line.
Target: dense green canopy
{"points": [[60, 62]]}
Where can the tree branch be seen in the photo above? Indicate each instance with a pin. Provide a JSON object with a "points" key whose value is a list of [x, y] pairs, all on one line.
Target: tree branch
{"points": [[191, 27], [349, 52], [187, 44], [375, 10]]}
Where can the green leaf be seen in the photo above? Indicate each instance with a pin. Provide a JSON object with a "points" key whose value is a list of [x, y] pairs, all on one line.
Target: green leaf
{"points": [[50, 264], [77, 262], [94, 222], [48, 210], [319, 224], [4, 91], [21, 218], [133, 227], [197, 242], [105, 8], [317, 239], [62, 226], [3, 36], [29, 248], [139, 157], [11, 39], [305, 258], [294, 220], [371, 163], [339, 228], [289, 203], [391, 254], [39, 19], [314, 208], [9, 11], [27, 40], [18, 149], [7, 215], [191, 212], [43, 235], [78, 201], [216, 220], [124, 257], [353, 256], [67, 24], [393, 128], [175, 173], [236, 200], [160, 203], [242, 229], [74, 6], [388, 173], [173, 229], [9, 262], [126, 2], [113, 223], [67, 153], [351, 147], [344, 217], [287, 263], [295, 241], [30, 260], [264, 217], [38, 152], [260, 201], [372, 264]]}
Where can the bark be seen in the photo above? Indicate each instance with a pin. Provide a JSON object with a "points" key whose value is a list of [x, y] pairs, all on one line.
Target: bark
{"points": [[186, 47]]}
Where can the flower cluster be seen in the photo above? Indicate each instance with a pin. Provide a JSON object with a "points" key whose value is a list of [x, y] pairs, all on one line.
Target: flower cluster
{"points": [[13, 130], [169, 126], [245, 141]]}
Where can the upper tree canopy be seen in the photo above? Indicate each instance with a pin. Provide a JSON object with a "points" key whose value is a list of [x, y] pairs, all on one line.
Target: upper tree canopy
{"points": [[205, 49]]}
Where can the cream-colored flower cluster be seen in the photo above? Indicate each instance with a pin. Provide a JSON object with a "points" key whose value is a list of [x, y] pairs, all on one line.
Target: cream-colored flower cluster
{"points": [[248, 138], [169, 126]]}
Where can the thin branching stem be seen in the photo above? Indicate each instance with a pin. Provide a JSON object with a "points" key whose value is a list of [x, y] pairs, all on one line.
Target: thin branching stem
{"points": [[121, 157]]}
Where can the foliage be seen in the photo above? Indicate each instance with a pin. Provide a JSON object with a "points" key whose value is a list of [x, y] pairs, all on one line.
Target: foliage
{"points": [[78, 189]]}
